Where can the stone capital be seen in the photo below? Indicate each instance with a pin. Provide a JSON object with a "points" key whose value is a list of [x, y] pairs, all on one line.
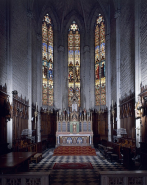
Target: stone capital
{"points": [[39, 37], [61, 48], [86, 49], [107, 37], [29, 14], [117, 13]]}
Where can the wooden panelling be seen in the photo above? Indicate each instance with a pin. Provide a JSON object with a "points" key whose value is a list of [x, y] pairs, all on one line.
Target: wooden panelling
{"points": [[127, 115], [100, 126], [20, 116], [5, 114], [48, 127]]}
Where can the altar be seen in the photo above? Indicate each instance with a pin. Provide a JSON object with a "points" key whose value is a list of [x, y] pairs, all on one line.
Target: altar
{"points": [[74, 127]]}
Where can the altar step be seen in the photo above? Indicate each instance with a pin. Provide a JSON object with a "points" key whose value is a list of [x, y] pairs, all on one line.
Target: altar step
{"points": [[74, 151]]}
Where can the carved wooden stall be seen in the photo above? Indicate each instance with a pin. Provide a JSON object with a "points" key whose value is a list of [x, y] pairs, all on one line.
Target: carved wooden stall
{"points": [[48, 128], [20, 117], [100, 125], [96, 135], [103, 124], [5, 115], [34, 121], [127, 115]]}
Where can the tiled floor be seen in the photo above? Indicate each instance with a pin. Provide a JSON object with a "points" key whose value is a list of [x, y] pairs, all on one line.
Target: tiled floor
{"points": [[77, 176]]}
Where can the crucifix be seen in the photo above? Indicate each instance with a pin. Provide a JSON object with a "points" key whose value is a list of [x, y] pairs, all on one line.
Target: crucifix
{"points": [[113, 112], [36, 114]]}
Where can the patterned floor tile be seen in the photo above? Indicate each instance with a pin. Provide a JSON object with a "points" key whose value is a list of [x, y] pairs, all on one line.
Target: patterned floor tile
{"points": [[74, 176]]}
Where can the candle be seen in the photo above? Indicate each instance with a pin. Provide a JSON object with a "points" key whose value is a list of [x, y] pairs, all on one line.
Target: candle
{"points": [[112, 103], [36, 105]]}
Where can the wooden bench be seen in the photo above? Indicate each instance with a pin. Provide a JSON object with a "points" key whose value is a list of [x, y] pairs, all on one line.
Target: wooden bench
{"points": [[37, 157]]}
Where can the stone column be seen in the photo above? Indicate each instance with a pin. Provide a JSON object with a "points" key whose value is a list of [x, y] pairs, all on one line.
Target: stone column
{"points": [[61, 70], [29, 59], [39, 84], [137, 63], [86, 66], [117, 16], [9, 80], [108, 83]]}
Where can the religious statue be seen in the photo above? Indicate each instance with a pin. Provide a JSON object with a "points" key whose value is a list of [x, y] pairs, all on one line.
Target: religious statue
{"points": [[97, 72], [74, 128], [50, 72], [74, 106], [77, 74], [102, 70]]}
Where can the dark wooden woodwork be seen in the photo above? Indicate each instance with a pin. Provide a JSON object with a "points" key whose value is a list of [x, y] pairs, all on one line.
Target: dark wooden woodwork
{"points": [[127, 115], [20, 116], [15, 162], [143, 96], [48, 128], [99, 126], [96, 136], [5, 115], [127, 158]]}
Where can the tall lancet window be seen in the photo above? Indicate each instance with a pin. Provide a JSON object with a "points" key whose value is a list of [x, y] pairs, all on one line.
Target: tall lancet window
{"points": [[73, 64], [100, 78], [47, 61]]}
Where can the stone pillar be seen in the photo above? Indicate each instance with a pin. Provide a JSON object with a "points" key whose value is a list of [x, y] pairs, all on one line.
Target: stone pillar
{"points": [[137, 63], [108, 80], [117, 16], [29, 59], [39, 84], [61, 70], [86, 84], [9, 80]]}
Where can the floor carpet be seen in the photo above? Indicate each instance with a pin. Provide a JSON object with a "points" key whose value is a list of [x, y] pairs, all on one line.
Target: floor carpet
{"points": [[72, 166], [74, 151]]}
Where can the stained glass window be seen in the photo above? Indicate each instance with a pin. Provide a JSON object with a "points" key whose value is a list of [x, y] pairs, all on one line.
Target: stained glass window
{"points": [[100, 78], [47, 61], [73, 64]]}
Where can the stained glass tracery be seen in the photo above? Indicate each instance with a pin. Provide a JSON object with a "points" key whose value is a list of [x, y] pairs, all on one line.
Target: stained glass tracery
{"points": [[73, 63], [100, 78], [47, 61]]}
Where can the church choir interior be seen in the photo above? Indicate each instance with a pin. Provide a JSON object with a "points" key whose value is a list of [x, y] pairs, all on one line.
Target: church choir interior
{"points": [[73, 91]]}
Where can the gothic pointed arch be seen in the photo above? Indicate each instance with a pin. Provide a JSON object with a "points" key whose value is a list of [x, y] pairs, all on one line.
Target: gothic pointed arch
{"points": [[74, 81], [47, 61], [100, 74]]}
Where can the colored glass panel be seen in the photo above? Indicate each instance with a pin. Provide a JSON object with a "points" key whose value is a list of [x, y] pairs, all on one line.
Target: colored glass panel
{"points": [[47, 61], [74, 64], [100, 76]]}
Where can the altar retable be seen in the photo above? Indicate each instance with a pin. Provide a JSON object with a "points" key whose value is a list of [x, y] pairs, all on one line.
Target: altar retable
{"points": [[74, 127]]}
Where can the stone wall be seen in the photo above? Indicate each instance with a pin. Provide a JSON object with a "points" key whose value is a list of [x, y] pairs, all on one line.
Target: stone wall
{"points": [[127, 44], [3, 63], [18, 45], [143, 40]]}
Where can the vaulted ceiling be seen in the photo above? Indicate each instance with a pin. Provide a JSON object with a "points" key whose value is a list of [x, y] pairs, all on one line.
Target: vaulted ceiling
{"points": [[63, 8]]}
